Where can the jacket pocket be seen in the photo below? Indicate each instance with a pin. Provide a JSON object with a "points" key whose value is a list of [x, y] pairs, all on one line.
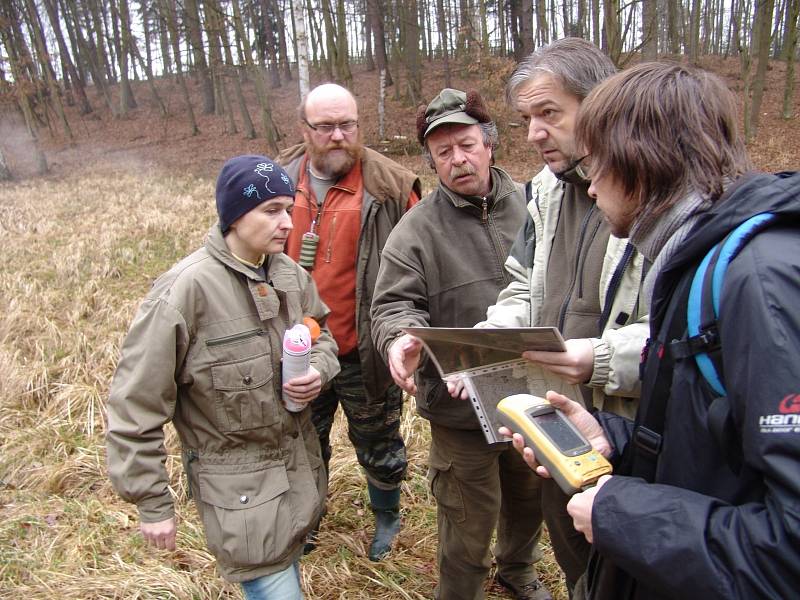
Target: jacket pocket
{"points": [[245, 398], [446, 489], [246, 516]]}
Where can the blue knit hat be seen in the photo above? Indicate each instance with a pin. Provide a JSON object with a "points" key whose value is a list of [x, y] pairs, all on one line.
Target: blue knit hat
{"points": [[245, 182]]}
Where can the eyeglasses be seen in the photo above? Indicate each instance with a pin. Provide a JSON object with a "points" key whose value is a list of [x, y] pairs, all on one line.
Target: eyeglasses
{"points": [[346, 127], [583, 166]]}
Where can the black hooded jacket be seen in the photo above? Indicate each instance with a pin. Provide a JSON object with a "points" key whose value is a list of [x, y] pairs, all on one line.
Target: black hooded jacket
{"points": [[711, 526]]}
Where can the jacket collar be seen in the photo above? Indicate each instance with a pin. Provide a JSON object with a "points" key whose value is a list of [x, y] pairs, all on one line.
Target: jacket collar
{"points": [[502, 186], [216, 246], [573, 176]]}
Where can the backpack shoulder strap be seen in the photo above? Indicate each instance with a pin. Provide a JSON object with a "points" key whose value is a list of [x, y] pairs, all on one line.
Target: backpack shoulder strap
{"points": [[657, 366], [704, 300]]}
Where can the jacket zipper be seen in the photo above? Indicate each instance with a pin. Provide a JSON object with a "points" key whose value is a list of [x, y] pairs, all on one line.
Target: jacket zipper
{"points": [[485, 211], [576, 274], [329, 249], [235, 337]]}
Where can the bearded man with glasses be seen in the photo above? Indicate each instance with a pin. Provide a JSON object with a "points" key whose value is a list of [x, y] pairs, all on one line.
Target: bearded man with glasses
{"points": [[348, 198]]}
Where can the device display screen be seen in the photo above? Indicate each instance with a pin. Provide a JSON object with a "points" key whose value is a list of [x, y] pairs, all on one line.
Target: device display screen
{"points": [[562, 436]]}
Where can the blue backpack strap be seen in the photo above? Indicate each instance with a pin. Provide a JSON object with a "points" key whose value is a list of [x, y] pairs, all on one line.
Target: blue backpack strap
{"points": [[704, 299]]}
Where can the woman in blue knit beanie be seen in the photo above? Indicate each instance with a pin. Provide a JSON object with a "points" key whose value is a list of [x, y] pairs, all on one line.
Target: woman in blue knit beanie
{"points": [[204, 352]]}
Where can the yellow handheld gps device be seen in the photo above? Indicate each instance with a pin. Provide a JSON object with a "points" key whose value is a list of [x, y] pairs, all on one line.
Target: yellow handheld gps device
{"points": [[556, 442]]}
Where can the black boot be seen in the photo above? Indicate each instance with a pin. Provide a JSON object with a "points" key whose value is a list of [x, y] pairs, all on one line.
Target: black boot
{"points": [[386, 508]]}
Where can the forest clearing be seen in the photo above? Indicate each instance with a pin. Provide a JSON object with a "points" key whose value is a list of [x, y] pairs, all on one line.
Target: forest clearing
{"points": [[92, 216]]}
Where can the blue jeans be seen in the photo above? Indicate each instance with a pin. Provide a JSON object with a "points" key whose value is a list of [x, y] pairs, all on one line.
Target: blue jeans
{"points": [[284, 585]]}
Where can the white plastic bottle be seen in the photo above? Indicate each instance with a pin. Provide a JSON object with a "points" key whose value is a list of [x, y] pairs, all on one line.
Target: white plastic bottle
{"points": [[296, 359]]}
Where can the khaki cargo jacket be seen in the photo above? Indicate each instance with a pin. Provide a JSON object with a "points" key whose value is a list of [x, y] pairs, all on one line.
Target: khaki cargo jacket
{"points": [[615, 375], [204, 351]]}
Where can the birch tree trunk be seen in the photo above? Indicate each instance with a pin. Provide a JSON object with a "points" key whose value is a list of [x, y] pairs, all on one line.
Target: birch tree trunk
{"points": [[301, 38]]}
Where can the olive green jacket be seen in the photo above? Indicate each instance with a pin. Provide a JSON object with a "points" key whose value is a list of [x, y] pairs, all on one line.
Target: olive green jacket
{"points": [[203, 352], [442, 267]]}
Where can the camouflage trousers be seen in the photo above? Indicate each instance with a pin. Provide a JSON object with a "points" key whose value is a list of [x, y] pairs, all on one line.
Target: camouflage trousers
{"points": [[372, 427]]}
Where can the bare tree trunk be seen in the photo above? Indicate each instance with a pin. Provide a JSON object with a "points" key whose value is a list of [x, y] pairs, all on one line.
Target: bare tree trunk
{"points": [[101, 57], [230, 69], [284, 53], [412, 53], [146, 66], [316, 36], [195, 38], [55, 24], [484, 26], [270, 130], [330, 36], [779, 39], [381, 104], [16, 49], [542, 30], [790, 48], [502, 26], [343, 73], [126, 98], [44, 61], [526, 30], [89, 55], [212, 27], [369, 57], [376, 14], [611, 28], [744, 58], [163, 39], [427, 28], [172, 25], [596, 37], [649, 30], [694, 33], [443, 42], [764, 28]]}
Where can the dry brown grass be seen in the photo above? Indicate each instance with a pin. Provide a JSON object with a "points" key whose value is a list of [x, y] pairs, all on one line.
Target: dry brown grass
{"points": [[77, 254]]}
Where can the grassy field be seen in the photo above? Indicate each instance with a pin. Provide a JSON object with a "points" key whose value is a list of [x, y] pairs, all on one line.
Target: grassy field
{"points": [[76, 256]]}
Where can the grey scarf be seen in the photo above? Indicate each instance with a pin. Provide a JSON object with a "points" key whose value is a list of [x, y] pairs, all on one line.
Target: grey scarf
{"points": [[657, 237]]}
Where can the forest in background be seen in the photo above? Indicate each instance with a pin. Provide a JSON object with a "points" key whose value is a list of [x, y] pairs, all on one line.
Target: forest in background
{"points": [[113, 137], [88, 55]]}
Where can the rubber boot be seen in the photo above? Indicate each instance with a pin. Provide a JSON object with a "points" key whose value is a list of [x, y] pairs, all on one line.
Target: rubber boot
{"points": [[386, 508]]}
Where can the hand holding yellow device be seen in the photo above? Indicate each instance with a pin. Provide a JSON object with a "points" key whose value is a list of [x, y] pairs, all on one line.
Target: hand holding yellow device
{"points": [[556, 442]]}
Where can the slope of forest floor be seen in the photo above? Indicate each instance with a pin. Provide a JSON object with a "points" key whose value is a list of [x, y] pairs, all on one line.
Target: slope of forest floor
{"points": [[146, 139]]}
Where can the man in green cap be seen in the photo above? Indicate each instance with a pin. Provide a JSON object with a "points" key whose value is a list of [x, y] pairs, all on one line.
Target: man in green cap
{"points": [[429, 276]]}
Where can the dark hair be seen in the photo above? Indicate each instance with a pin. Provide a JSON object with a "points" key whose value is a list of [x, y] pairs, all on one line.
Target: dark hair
{"points": [[662, 130], [578, 66]]}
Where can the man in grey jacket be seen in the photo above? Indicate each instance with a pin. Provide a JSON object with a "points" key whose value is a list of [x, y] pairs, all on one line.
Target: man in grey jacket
{"points": [[429, 276], [566, 269]]}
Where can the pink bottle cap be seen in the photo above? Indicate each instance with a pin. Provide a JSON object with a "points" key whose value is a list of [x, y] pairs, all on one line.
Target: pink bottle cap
{"points": [[297, 339]]}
